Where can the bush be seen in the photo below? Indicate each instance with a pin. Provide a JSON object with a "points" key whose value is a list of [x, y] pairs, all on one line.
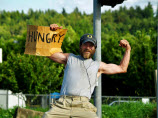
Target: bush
{"points": [[10, 113]]}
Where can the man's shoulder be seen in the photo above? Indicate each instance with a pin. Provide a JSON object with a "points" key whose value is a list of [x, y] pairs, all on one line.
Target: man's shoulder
{"points": [[73, 55]]}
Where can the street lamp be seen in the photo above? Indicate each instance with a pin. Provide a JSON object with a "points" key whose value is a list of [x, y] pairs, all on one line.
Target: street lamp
{"points": [[111, 3]]}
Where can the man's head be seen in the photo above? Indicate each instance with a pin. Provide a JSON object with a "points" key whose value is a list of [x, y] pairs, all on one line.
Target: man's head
{"points": [[88, 44]]}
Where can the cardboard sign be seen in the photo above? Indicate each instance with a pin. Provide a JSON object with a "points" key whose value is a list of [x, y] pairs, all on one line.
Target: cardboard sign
{"points": [[42, 41]]}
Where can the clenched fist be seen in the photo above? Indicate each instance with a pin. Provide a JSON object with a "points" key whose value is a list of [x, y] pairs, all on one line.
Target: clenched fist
{"points": [[125, 44]]}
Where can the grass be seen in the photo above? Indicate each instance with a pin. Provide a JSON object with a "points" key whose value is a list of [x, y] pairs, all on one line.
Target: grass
{"points": [[129, 110], [38, 109], [124, 110], [10, 113]]}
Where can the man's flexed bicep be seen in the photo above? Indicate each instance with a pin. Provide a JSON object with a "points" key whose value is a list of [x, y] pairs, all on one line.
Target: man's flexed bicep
{"points": [[110, 69], [122, 67], [60, 57]]}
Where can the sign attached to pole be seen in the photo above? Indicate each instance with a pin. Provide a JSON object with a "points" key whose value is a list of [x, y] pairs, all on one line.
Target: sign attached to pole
{"points": [[42, 41], [0, 55]]}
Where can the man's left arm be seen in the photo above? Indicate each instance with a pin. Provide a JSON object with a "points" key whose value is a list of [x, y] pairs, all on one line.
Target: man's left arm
{"points": [[122, 67]]}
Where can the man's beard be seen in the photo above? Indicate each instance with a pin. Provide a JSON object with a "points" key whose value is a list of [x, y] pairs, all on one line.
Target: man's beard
{"points": [[86, 54]]}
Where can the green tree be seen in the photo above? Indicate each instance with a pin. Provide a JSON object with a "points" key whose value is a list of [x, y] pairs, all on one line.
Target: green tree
{"points": [[148, 11], [41, 75], [64, 12], [30, 74]]}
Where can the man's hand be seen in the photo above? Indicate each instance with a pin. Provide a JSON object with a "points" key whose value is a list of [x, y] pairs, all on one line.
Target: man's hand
{"points": [[125, 44], [55, 27]]}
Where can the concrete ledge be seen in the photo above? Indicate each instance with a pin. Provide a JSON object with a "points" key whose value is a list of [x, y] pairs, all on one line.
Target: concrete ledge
{"points": [[27, 113]]}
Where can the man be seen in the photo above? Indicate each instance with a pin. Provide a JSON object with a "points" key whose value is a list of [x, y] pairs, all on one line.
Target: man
{"points": [[80, 78]]}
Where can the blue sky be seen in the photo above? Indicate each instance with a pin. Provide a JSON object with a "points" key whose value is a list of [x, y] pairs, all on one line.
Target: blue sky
{"points": [[69, 5]]}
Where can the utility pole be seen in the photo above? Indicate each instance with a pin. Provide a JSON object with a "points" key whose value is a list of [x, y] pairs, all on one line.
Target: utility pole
{"points": [[97, 4], [157, 72], [0, 55], [97, 56]]}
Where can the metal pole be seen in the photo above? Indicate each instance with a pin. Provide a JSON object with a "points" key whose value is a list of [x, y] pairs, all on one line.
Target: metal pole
{"points": [[1, 55], [7, 100], [50, 101], [97, 56], [18, 99], [157, 72]]}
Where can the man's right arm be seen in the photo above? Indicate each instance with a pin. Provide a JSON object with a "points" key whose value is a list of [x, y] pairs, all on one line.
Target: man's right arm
{"points": [[60, 57]]}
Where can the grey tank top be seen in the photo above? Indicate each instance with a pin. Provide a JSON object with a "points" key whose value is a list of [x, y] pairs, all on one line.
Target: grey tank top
{"points": [[80, 76]]}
